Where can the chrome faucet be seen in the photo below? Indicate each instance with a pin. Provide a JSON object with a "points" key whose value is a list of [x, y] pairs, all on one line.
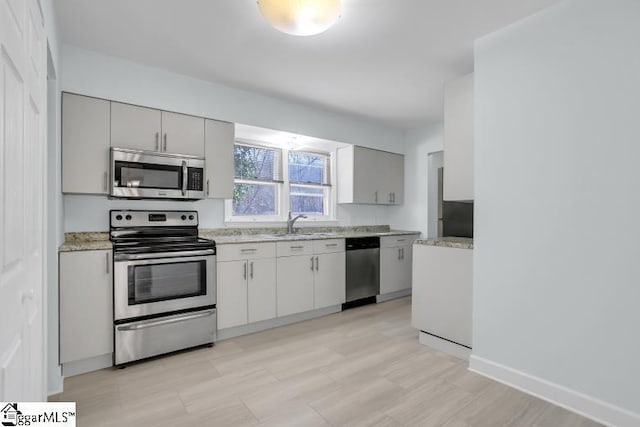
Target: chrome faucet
{"points": [[291, 221]]}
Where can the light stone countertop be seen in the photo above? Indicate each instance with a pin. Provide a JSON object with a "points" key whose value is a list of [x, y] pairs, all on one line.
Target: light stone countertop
{"points": [[447, 242], [90, 241]]}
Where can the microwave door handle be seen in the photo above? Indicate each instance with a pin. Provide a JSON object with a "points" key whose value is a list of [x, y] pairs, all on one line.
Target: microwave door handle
{"points": [[184, 178]]}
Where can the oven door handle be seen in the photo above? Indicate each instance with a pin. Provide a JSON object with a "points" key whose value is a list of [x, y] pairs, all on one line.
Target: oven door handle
{"points": [[173, 319], [159, 255], [184, 178]]}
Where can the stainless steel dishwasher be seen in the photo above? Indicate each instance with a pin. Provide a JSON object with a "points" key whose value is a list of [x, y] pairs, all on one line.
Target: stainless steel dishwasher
{"points": [[363, 270]]}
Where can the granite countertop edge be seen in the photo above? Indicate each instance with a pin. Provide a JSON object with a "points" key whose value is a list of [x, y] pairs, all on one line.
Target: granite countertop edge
{"points": [[92, 241], [447, 242]]}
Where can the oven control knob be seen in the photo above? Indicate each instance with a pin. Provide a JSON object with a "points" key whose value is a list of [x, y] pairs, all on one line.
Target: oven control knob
{"points": [[128, 217], [183, 217], [191, 217], [119, 217]]}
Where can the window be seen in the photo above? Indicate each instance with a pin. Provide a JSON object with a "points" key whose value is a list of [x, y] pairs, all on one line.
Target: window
{"points": [[309, 183], [270, 182], [258, 175]]}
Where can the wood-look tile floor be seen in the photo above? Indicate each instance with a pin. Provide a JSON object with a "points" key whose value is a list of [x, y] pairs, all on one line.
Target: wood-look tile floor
{"points": [[361, 367]]}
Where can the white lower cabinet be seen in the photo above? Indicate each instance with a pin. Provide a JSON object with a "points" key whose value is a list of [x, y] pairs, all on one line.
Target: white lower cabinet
{"points": [[261, 295], [232, 293], [311, 281], [295, 284], [246, 283], [396, 255], [329, 281], [86, 305]]}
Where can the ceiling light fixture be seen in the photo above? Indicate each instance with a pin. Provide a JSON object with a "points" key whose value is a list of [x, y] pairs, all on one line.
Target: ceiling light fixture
{"points": [[300, 17]]}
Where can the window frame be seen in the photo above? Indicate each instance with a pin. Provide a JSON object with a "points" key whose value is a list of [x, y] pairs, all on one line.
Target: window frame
{"points": [[283, 191]]}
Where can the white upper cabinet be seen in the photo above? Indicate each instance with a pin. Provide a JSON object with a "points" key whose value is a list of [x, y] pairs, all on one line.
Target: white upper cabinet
{"points": [[182, 134], [142, 128], [135, 127], [218, 148], [458, 139], [85, 144], [368, 176]]}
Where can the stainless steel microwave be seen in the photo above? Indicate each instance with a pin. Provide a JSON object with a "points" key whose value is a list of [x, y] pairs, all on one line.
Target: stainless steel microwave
{"points": [[149, 175]]}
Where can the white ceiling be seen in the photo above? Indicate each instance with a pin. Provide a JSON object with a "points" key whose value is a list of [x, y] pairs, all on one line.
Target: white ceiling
{"points": [[385, 60]]}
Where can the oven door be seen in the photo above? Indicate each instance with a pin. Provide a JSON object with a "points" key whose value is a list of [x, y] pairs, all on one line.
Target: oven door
{"points": [[140, 174], [147, 284]]}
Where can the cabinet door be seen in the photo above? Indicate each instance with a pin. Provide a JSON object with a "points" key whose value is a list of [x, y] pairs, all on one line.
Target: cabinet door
{"points": [[86, 308], [330, 286], [262, 289], [366, 176], [135, 127], [295, 284], [85, 144], [392, 273], [182, 134], [458, 139], [232, 293], [218, 148], [395, 165]]}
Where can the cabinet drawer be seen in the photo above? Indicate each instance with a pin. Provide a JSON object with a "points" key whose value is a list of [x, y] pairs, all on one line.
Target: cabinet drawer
{"points": [[328, 246], [394, 241], [239, 251], [294, 248]]}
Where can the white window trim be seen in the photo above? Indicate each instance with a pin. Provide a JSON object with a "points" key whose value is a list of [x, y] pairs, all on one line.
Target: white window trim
{"points": [[283, 199]]}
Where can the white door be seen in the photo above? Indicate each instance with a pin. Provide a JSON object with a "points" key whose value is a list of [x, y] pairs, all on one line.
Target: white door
{"points": [[22, 172], [295, 284], [329, 287], [135, 127], [261, 289], [182, 134], [232, 293]]}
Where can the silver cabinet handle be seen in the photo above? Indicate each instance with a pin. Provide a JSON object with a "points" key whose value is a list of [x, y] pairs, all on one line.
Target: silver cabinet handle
{"points": [[248, 250], [402, 252], [207, 187], [184, 177], [311, 263], [331, 245], [153, 323], [165, 142], [296, 247], [108, 262], [317, 263], [390, 197], [106, 181], [157, 141], [375, 197], [252, 269], [245, 271], [399, 252]]}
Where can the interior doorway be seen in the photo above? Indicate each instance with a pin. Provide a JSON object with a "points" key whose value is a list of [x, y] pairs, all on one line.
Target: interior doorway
{"points": [[434, 192]]}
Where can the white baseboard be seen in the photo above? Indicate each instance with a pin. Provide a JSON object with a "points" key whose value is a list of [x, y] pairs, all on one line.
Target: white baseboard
{"points": [[448, 347], [78, 367], [236, 331], [393, 295], [567, 398]]}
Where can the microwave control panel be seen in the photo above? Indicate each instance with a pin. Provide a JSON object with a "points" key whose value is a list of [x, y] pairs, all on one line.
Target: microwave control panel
{"points": [[195, 179]]}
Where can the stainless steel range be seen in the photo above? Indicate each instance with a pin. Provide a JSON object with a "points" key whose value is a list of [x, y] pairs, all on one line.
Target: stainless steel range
{"points": [[164, 283]]}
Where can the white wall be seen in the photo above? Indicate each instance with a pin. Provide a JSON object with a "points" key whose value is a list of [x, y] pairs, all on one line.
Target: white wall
{"points": [[557, 146], [412, 215], [93, 74]]}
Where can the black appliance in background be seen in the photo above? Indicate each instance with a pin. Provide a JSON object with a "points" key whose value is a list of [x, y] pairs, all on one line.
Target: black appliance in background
{"points": [[457, 219]]}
